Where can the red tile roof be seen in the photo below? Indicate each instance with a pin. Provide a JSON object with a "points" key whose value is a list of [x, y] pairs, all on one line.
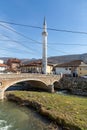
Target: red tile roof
{"points": [[36, 63], [2, 65], [14, 60]]}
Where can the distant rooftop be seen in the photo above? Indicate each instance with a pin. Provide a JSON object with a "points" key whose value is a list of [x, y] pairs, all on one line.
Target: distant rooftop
{"points": [[14, 60], [2, 65], [70, 64]]}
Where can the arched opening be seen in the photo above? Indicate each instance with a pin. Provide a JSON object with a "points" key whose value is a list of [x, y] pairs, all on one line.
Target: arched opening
{"points": [[58, 87], [29, 85]]}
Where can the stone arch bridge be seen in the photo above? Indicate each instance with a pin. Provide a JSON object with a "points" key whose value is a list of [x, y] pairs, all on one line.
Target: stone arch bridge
{"points": [[7, 80]]}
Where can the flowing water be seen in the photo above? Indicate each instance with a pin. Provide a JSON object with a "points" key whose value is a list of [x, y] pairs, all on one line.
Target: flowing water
{"points": [[14, 117]]}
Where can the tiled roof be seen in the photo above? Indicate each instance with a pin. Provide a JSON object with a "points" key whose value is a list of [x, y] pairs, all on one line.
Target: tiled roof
{"points": [[32, 64], [3, 65], [14, 60], [36, 63], [74, 63]]}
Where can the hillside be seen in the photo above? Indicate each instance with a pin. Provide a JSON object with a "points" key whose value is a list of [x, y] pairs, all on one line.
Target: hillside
{"points": [[56, 59], [60, 59], [67, 58], [63, 59]]}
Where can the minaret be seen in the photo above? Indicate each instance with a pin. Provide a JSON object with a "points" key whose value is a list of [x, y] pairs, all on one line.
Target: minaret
{"points": [[44, 54]]}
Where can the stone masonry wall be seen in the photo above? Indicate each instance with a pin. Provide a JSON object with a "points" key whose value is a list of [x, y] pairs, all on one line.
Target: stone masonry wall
{"points": [[75, 85]]}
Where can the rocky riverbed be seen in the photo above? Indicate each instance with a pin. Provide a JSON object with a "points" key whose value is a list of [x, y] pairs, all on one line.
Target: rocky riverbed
{"points": [[74, 85]]}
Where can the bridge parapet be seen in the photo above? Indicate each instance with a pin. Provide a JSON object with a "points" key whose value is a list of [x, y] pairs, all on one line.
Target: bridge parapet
{"points": [[25, 75], [48, 79]]}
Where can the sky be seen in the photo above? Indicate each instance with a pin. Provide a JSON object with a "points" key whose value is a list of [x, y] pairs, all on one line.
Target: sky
{"points": [[60, 14]]}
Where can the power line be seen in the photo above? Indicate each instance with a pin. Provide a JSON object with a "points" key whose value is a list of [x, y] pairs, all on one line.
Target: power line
{"points": [[58, 50], [51, 29], [13, 51], [18, 43], [14, 41], [50, 43], [29, 37], [19, 33], [56, 44], [23, 25]]}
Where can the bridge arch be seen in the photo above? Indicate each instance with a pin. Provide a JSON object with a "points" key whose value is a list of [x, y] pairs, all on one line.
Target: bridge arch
{"points": [[55, 84], [8, 80], [30, 80]]}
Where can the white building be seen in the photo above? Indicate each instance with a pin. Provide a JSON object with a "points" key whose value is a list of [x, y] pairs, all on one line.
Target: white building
{"points": [[3, 68], [35, 67], [1, 61], [63, 70], [68, 68]]}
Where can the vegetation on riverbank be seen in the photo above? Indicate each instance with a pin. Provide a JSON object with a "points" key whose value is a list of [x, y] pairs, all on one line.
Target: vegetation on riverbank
{"points": [[68, 111]]}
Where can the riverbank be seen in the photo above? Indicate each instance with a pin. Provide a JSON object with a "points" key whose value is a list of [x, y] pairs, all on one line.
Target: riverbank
{"points": [[69, 112]]}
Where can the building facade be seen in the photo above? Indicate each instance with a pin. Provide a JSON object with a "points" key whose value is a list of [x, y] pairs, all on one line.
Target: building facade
{"points": [[35, 67], [14, 64], [3, 68], [1, 61], [73, 68]]}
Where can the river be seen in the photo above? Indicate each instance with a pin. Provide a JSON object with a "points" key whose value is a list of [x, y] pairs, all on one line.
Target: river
{"points": [[14, 117]]}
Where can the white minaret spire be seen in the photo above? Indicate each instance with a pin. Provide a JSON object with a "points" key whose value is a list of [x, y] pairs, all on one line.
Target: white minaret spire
{"points": [[44, 54]]}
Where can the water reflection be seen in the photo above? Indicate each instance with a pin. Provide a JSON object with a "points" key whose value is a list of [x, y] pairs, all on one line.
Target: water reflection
{"points": [[13, 117]]}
